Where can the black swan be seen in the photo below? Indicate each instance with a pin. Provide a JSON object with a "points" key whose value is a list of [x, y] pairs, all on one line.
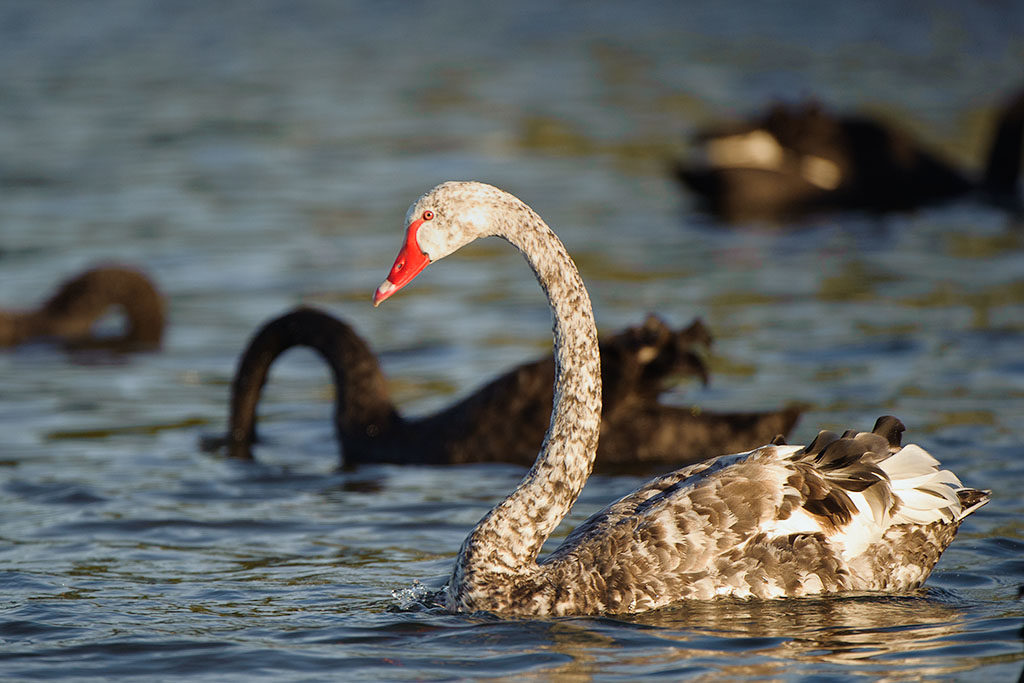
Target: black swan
{"points": [[504, 420], [858, 512], [69, 315], [797, 159]]}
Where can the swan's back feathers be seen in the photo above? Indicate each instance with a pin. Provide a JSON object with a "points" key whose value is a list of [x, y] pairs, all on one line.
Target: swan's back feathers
{"points": [[852, 512]]}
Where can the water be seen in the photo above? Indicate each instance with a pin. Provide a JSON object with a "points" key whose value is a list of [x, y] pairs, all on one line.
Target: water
{"points": [[252, 156]]}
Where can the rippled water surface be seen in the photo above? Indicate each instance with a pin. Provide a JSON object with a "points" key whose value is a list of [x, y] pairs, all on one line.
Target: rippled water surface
{"points": [[252, 156]]}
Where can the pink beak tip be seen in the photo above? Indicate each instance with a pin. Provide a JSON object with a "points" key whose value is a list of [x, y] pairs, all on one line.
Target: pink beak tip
{"points": [[385, 290]]}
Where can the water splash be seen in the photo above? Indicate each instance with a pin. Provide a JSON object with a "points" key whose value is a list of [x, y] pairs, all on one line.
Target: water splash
{"points": [[415, 598]]}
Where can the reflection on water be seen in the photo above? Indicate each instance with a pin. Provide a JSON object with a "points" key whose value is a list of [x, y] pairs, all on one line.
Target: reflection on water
{"points": [[888, 637], [891, 633]]}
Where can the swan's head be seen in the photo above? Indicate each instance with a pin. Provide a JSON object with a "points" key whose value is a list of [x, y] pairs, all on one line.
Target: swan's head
{"points": [[442, 221]]}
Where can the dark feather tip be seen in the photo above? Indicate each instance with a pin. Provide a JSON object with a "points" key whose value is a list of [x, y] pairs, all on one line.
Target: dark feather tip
{"points": [[823, 439], [891, 428]]}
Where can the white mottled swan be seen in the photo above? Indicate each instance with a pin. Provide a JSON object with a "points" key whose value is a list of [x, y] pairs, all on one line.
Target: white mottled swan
{"points": [[857, 512]]}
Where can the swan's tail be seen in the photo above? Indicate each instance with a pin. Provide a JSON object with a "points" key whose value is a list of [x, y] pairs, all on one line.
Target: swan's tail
{"points": [[923, 493], [899, 484]]}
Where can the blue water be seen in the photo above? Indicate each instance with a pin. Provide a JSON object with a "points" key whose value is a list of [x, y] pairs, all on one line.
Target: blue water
{"points": [[252, 156]]}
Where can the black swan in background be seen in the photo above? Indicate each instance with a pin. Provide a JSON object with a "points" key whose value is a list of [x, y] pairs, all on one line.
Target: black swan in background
{"points": [[796, 159], [858, 512], [69, 315], [504, 420]]}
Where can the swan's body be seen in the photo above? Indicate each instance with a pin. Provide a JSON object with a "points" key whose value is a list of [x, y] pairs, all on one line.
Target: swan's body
{"points": [[851, 513], [68, 316], [505, 419], [803, 158]]}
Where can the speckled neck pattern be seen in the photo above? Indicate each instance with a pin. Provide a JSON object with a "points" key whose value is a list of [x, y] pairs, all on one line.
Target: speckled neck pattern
{"points": [[500, 554]]}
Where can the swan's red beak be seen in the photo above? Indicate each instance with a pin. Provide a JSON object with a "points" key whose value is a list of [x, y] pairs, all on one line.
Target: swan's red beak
{"points": [[410, 261]]}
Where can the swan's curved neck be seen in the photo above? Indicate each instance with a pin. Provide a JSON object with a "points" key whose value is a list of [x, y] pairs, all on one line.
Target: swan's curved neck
{"points": [[506, 542], [79, 302], [362, 403], [70, 313]]}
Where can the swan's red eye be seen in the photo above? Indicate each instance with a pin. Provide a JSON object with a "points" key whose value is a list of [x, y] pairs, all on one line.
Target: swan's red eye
{"points": [[428, 215]]}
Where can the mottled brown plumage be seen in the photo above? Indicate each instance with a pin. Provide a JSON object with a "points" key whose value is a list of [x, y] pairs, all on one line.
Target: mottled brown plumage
{"points": [[857, 512]]}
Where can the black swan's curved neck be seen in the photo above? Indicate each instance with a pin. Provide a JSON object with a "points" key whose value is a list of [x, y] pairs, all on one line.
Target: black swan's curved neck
{"points": [[69, 314], [362, 404]]}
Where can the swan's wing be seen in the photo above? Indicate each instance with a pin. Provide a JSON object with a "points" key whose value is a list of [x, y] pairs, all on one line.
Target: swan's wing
{"points": [[779, 520], [849, 488], [655, 492], [703, 531]]}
